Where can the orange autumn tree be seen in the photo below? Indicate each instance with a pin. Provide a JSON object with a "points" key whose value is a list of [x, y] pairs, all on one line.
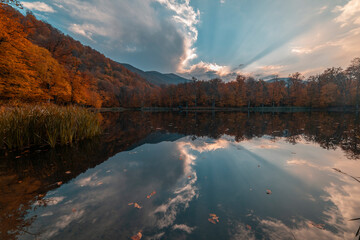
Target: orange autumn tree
{"points": [[28, 72]]}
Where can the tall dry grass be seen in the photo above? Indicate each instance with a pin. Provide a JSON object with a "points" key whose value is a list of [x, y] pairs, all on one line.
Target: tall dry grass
{"points": [[23, 126]]}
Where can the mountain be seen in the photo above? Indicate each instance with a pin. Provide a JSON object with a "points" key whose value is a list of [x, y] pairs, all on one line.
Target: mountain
{"points": [[286, 80], [157, 78]]}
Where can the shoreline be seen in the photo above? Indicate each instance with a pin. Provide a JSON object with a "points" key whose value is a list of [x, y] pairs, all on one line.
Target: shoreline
{"points": [[228, 109]]}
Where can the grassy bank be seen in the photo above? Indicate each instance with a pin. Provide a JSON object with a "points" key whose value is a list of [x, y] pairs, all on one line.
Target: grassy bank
{"points": [[24, 126]]}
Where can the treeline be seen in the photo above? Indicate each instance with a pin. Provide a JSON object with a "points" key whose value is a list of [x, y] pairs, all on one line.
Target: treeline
{"points": [[334, 87], [38, 63]]}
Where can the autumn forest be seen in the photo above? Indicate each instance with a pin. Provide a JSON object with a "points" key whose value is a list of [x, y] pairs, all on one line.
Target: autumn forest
{"points": [[38, 63]]}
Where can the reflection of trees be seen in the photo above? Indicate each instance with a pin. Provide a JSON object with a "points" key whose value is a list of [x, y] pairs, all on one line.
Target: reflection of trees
{"points": [[26, 180]]}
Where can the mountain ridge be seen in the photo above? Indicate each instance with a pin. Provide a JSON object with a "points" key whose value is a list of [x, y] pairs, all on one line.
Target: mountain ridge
{"points": [[156, 77]]}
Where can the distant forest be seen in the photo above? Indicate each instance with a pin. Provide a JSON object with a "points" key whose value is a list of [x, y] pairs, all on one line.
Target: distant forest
{"points": [[38, 63]]}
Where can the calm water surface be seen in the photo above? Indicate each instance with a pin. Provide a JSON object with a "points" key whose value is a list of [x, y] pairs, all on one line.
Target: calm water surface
{"points": [[264, 176]]}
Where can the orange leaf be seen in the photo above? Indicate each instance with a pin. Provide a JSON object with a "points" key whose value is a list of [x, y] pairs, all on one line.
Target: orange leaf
{"points": [[138, 236]]}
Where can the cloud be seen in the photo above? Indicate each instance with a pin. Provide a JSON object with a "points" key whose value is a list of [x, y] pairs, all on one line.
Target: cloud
{"points": [[87, 30], [207, 71], [150, 34], [349, 13], [323, 9], [186, 18], [38, 6]]}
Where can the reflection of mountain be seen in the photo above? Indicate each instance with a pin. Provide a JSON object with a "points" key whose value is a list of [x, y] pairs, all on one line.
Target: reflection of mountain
{"points": [[27, 179]]}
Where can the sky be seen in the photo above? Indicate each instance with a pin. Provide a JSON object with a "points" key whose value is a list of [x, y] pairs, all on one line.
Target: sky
{"points": [[213, 38]]}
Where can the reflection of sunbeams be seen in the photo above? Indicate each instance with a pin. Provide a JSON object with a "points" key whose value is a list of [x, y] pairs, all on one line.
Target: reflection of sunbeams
{"points": [[166, 213]]}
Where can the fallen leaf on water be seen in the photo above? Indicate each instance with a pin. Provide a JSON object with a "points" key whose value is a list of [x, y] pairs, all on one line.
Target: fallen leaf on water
{"points": [[268, 191], [136, 205], [67, 172], [73, 210], [319, 226], [248, 226], [138, 236], [213, 218], [151, 194], [59, 183], [18, 157], [20, 181]]}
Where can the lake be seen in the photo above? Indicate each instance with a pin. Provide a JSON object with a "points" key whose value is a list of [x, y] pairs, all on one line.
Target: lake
{"points": [[187, 175]]}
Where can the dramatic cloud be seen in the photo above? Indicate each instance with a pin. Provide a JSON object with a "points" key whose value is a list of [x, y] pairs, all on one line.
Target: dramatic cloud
{"points": [[150, 34], [186, 18], [350, 13], [38, 6]]}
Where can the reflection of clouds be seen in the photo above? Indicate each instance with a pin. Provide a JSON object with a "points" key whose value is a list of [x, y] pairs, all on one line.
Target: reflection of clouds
{"points": [[301, 162], [201, 146], [276, 229], [63, 222], [50, 201], [184, 228], [269, 146], [91, 181], [346, 206], [167, 212], [313, 166], [304, 179], [241, 232]]}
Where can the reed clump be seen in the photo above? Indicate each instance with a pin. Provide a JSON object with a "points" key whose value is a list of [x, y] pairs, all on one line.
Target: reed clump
{"points": [[24, 126]]}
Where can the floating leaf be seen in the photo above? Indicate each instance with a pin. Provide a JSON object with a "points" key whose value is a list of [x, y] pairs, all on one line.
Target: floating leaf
{"points": [[248, 226], [268, 191], [59, 183], [73, 210], [138, 236], [136, 205], [67, 172], [213, 218], [151, 194], [18, 157]]}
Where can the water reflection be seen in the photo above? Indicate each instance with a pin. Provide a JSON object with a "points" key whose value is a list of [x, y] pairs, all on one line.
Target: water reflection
{"points": [[198, 163]]}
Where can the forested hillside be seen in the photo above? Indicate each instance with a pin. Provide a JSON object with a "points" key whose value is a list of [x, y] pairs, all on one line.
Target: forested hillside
{"points": [[39, 63]]}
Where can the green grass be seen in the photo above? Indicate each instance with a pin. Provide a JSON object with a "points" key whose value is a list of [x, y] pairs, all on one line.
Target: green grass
{"points": [[23, 126]]}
